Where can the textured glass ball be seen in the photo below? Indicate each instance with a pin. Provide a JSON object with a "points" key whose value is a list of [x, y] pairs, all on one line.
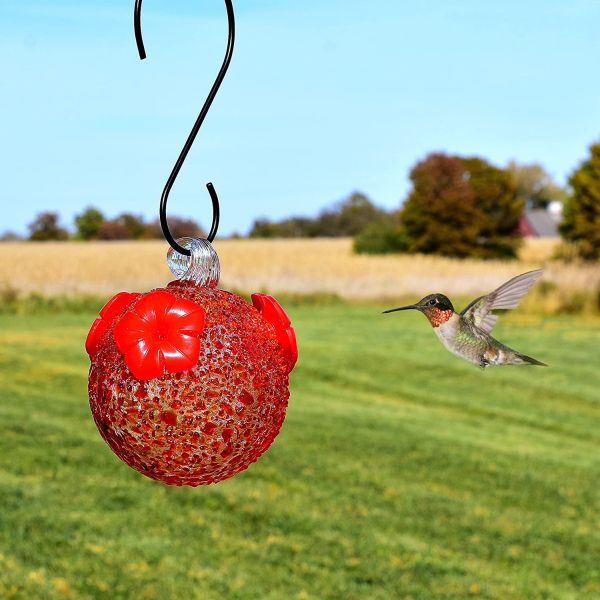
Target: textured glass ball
{"points": [[208, 422]]}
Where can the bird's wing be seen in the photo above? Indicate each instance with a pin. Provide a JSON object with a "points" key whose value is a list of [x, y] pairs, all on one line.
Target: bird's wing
{"points": [[508, 295]]}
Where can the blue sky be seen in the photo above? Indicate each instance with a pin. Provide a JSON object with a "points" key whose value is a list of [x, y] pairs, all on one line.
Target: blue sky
{"points": [[323, 97]]}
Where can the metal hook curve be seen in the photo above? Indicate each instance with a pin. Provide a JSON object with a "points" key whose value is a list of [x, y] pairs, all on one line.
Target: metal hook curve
{"points": [[194, 132]]}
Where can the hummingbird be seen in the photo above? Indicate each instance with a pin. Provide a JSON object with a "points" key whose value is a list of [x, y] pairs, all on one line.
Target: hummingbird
{"points": [[467, 334]]}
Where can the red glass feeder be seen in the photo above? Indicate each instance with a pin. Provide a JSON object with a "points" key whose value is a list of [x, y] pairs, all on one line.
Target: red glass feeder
{"points": [[189, 383]]}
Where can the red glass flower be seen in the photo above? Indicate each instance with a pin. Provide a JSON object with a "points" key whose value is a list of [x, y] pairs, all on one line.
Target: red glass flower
{"points": [[108, 312], [272, 312], [160, 333]]}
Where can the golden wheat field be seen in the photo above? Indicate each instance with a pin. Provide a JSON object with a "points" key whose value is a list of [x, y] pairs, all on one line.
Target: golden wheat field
{"points": [[291, 266]]}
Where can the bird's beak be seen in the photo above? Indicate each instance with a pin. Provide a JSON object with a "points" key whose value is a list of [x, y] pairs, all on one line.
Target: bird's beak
{"points": [[409, 307]]}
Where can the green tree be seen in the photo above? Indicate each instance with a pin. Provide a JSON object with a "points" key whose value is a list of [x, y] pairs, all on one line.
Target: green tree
{"points": [[581, 221], [292, 227], [461, 207], [381, 237], [134, 224], [45, 228], [534, 185], [296, 227], [263, 228], [349, 217], [88, 223]]}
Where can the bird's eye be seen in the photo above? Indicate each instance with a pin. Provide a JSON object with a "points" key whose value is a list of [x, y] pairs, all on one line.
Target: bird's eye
{"points": [[432, 302]]}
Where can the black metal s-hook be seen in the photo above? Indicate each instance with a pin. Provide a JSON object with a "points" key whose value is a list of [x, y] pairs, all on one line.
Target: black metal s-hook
{"points": [[192, 136]]}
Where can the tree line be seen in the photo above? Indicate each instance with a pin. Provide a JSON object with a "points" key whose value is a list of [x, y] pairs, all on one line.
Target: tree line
{"points": [[462, 207], [456, 206], [91, 224]]}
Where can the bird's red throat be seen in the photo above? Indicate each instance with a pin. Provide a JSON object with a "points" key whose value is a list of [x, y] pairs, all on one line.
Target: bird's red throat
{"points": [[437, 316]]}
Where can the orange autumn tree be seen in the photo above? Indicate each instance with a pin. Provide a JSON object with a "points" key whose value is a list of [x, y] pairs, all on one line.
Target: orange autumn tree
{"points": [[461, 207]]}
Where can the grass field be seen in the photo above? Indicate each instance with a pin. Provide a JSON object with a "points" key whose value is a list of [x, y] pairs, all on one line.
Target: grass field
{"points": [[401, 472], [297, 267]]}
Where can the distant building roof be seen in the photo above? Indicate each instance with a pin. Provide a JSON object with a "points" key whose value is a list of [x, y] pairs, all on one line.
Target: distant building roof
{"points": [[539, 223]]}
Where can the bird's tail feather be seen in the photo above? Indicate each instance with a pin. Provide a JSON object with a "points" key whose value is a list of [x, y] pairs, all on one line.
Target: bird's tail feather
{"points": [[523, 359]]}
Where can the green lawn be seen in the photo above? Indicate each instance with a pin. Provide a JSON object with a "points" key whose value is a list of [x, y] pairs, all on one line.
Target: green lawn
{"points": [[401, 472]]}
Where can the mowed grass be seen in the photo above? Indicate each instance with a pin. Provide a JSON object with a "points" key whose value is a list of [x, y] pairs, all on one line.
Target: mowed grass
{"points": [[400, 472]]}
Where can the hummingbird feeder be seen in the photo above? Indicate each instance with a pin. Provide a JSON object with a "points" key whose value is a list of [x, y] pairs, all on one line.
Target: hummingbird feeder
{"points": [[189, 383]]}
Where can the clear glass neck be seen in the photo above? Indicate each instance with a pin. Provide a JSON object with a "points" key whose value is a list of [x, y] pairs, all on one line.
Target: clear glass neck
{"points": [[202, 267]]}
